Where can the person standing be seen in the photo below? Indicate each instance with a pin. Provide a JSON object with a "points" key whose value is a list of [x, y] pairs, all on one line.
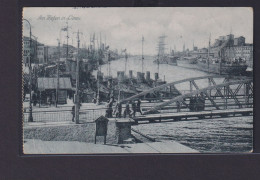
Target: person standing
{"points": [[133, 108], [110, 108], [34, 99], [73, 113], [118, 110], [138, 107], [127, 110]]}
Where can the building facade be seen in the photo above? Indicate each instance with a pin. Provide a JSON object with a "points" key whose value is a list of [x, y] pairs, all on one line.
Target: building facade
{"points": [[40, 53], [37, 53], [230, 47], [29, 53]]}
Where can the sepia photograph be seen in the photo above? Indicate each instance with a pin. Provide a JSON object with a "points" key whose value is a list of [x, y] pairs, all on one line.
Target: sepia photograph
{"points": [[137, 80]]}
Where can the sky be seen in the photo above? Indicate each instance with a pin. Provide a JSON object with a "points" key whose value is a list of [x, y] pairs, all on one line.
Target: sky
{"points": [[124, 27]]}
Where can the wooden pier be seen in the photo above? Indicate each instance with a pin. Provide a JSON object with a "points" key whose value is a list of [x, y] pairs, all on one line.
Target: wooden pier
{"points": [[166, 117]]}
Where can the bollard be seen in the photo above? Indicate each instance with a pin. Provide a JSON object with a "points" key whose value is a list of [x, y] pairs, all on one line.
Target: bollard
{"points": [[123, 129]]}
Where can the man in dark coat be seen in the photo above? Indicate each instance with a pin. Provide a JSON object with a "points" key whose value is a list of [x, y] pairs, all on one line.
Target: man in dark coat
{"points": [[34, 99], [138, 106], [127, 110], [118, 109], [73, 113], [133, 109]]}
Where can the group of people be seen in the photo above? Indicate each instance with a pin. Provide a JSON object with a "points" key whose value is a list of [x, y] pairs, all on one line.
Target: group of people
{"points": [[130, 110]]}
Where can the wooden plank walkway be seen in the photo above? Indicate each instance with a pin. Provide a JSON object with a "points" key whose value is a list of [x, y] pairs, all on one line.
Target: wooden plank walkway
{"points": [[201, 115]]}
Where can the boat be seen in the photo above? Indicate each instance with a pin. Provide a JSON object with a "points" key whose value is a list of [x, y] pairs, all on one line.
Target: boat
{"points": [[222, 67], [162, 57], [187, 62], [173, 60]]}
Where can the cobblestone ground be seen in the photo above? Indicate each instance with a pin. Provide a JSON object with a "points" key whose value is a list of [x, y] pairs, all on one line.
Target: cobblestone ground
{"points": [[210, 135]]}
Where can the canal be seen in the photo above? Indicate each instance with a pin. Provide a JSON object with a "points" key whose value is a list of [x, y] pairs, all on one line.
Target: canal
{"points": [[209, 135]]}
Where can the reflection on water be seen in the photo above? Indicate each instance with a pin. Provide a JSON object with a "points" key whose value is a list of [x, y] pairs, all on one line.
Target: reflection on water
{"points": [[171, 73], [167, 72], [208, 135]]}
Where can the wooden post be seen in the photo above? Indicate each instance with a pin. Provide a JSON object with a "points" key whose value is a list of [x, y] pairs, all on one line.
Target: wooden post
{"points": [[40, 98], [96, 135], [105, 139], [209, 84], [225, 94], [246, 94], [190, 86]]}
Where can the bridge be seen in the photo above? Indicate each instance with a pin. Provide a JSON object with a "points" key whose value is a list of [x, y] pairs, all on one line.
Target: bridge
{"points": [[221, 97]]}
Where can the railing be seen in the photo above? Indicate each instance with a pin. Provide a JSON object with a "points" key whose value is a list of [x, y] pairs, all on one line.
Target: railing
{"points": [[89, 115], [85, 115]]}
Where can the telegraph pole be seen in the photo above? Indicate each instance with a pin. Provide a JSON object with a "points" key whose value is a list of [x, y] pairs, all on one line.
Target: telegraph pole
{"points": [[77, 85], [67, 52], [30, 74], [125, 60], [142, 54], [58, 76], [209, 51]]}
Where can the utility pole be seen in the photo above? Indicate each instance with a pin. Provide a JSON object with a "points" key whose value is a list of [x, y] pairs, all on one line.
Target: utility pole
{"points": [[77, 85], [67, 52], [209, 51], [158, 64], [142, 54], [30, 75], [109, 69], [58, 76], [36, 48], [125, 60]]}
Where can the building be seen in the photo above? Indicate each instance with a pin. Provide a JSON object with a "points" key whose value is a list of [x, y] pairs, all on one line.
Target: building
{"points": [[47, 90], [203, 53], [40, 53], [230, 47], [243, 51], [46, 54], [29, 54], [240, 41]]}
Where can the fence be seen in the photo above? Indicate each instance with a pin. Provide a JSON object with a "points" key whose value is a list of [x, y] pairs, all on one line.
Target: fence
{"points": [[87, 115]]}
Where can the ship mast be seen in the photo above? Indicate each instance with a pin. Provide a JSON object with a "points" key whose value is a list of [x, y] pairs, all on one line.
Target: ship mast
{"points": [[142, 54], [125, 60], [209, 51], [158, 64]]}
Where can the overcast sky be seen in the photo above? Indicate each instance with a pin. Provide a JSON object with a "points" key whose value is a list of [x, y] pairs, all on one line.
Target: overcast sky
{"points": [[124, 27]]}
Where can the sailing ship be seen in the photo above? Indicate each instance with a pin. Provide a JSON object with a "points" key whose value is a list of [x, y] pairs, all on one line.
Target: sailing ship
{"points": [[162, 57]]}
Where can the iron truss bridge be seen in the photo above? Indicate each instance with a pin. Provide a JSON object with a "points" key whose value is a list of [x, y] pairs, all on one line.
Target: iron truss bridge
{"points": [[208, 93]]}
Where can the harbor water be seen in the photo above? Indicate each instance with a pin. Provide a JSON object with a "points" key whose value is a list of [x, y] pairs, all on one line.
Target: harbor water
{"points": [[209, 135]]}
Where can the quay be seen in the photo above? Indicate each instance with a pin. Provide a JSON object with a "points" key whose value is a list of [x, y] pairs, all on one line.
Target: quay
{"points": [[32, 146], [155, 118]]}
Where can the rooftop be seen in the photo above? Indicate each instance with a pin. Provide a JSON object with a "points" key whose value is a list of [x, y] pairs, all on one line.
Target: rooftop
{"points": [[51, 83]]}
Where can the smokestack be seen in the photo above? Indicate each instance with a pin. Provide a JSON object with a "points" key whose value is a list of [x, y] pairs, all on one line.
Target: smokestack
{"points": [[120, 75], [139, 77], [130, 74], [147, 75], [156, 76], [143, 77]]}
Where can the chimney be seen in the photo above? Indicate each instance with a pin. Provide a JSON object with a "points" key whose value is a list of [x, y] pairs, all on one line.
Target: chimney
{"points": [[139, 77], [147, 75], [156, 76], [130, 74]]}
